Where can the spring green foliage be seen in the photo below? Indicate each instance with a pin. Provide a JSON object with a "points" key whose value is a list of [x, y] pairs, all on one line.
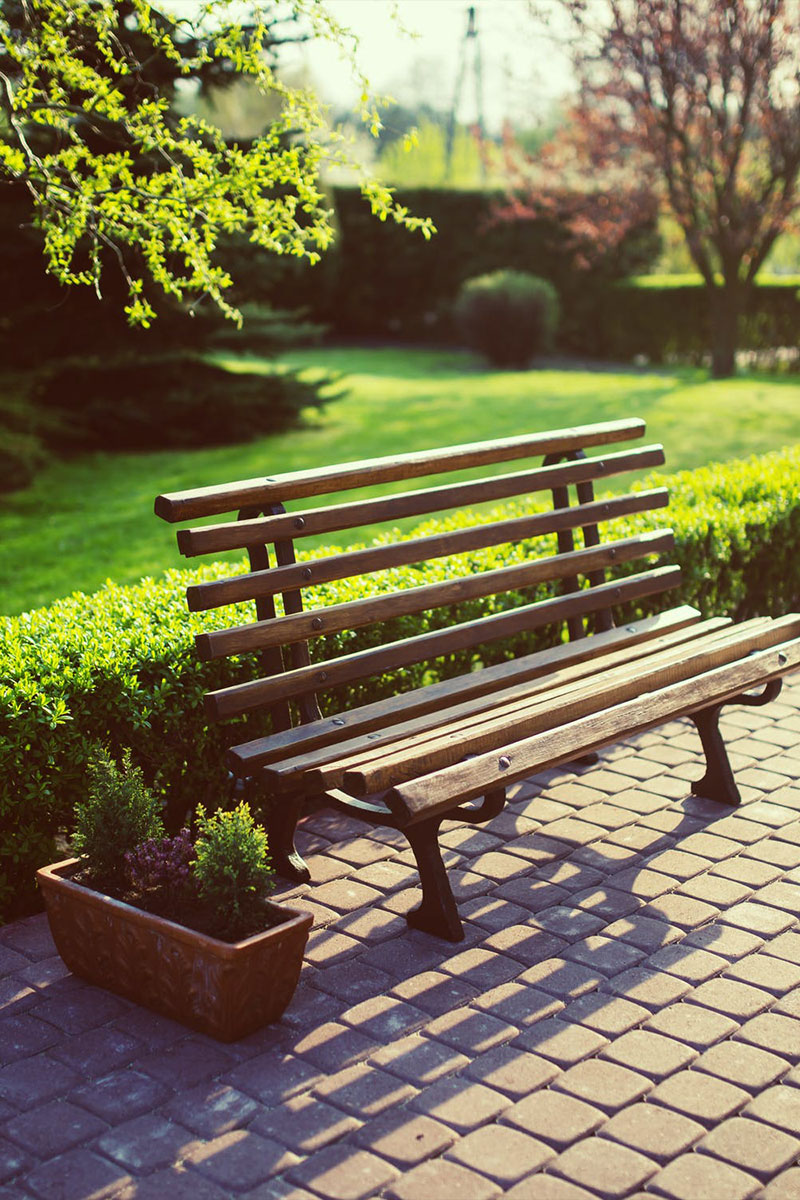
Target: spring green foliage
{"points": [[120, 667], [117, 815], [232, 868], [117, 174]]}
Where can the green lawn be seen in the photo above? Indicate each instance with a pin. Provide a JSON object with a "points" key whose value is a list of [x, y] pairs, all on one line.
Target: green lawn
{"points": [[89, 520]]}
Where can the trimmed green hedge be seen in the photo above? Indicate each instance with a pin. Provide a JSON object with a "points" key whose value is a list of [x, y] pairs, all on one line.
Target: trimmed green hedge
{"points": [[119, 667]]}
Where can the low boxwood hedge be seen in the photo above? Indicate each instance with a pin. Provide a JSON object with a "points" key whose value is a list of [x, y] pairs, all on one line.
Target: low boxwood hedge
{"points": [[119, 668]]}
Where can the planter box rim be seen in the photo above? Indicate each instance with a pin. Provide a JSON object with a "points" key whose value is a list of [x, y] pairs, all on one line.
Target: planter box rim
{"points": [[59, 873]]}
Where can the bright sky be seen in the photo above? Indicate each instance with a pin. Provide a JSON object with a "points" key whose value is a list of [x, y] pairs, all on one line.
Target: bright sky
{"points": [[522, 69]]}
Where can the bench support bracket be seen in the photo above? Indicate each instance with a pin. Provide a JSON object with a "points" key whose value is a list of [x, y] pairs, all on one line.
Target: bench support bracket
{"points": [[718, 782], [281, 815], [436, 913]]}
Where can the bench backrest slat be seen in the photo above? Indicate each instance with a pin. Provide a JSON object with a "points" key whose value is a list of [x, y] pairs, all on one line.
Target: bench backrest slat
{"points": [[204, 502], [348, 565], [313, 522], [355, 614], [247, 697]]}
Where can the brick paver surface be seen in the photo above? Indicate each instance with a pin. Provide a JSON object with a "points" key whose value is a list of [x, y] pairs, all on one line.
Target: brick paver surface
{"points": [[621, 1020]]}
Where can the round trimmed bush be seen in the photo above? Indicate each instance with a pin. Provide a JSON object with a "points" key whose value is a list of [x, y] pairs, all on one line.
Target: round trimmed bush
{"points": [[507, 316]]}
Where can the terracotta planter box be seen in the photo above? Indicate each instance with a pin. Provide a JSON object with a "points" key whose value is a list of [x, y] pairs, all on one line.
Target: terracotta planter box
{"points": [[224, 989]]}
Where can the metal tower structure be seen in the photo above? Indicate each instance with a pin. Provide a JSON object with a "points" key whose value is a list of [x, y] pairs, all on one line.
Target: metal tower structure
{"points": [[470, 49]]}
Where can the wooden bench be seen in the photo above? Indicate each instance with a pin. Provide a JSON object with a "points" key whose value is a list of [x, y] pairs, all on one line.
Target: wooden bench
{"points": [[450, 749]]}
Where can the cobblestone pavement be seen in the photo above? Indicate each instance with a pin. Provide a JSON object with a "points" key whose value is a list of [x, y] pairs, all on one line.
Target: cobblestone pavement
{"points": [[622, 1019]]}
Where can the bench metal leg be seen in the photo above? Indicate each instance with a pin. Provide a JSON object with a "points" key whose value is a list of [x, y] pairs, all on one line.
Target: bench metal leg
{"points": [[718, 782], [437, 912], [280, 815]]}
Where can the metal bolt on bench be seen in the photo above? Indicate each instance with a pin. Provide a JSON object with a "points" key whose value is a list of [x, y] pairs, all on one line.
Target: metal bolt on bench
{"points": [[450, 749]]}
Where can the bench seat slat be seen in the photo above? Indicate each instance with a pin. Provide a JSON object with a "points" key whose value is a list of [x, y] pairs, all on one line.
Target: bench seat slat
{"points": [[238, 535], [324, 766], [437, 749], [682, 623], [433, 794], [245, 697], [208, 501], [354, 563]]}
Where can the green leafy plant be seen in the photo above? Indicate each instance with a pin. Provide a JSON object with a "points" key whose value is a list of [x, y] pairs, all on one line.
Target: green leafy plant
{"points": [[508, 316], [232, 867], [118, 814]]}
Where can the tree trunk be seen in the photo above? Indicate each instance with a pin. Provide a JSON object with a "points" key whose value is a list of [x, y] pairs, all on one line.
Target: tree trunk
{"points": [[727, 303]]}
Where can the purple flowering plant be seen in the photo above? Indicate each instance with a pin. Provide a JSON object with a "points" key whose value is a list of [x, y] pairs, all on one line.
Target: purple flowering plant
{"points": [[162, 864]]}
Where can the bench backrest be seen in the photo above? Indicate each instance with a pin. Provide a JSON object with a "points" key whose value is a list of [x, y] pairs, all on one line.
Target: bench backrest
{"points": [[584, 587]]}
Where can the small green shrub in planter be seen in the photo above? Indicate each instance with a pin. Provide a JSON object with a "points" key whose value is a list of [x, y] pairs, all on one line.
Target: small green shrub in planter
{"points": [[118, 814], [508, 316]]}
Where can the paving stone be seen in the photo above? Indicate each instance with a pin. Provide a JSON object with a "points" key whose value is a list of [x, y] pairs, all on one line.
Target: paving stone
{"points": [[36, 1080], [567, 922], [190, 1061], [273, 1077], [177, 1183], [13, 1161], [694, 1175], [606, 902], [211, 1109], [419, 1060], [698, 1027], [304, 1124], [344, 895], [548, 1187], [744, 1065], [334, 1046], [150, 1028], [650, 1053], [441, 1180], [653, 989], [714, 889], [779, 1106], [146, 1142], [54, 1128], [459, 1103], [776, 851], [752, 1146], [785, 1187], [603, 1084], [527, 944], [405, 1138], [370, 925], [680, 911], [364, 1091], [562, 978], [554, 1118], [79, 1172], [604, 954], [643, 882], [609, 1015], [758, 918], [97, 1052], [434, 992], [311, 1007], [481, 968], [786, 946], [710, 845], [747, 870], [25, 1035], [730, 997], [764, 971], [699, 1096], [492, 912], [384, 1018], [11, 961], [789, 1004], [770, 1031], [654, 1131], [643, 931], [327, 946], [82, 1008], [240, 1160], [352, 982], [504, 1154], [724, 941], [560, 1041], [470, 1031], [518, 1003], [513, 1071], [31, 937], [746, 832], [609, 1169]]}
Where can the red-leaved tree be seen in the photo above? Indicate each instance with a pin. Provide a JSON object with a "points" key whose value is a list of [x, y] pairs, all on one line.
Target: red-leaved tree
{"points": [[702, 97]]}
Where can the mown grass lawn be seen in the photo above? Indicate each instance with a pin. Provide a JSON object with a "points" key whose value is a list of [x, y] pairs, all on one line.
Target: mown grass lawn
{"points": [[92, 519]]}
